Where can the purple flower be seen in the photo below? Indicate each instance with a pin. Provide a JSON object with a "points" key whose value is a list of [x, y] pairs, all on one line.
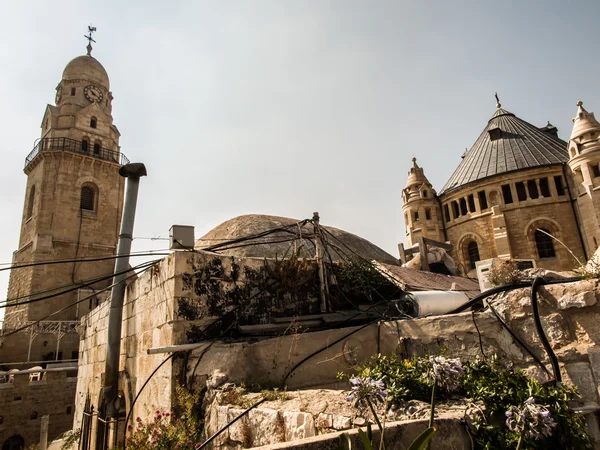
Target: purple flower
{"points": [[446, 372], [533, 419], [366, 389]]}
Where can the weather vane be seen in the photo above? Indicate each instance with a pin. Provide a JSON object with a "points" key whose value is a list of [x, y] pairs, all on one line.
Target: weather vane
{"points": [[498, 105], [90, 39]]}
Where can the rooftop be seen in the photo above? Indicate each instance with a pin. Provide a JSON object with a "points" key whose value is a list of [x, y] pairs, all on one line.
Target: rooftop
{"points": [[507, 144]]}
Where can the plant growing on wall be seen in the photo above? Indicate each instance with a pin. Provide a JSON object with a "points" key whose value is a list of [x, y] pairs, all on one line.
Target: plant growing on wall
{"points": [[180, 429], [505, 272], [499, 390]]}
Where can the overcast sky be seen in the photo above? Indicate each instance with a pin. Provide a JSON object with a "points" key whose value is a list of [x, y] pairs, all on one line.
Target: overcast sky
{"points": [[286, 107]]}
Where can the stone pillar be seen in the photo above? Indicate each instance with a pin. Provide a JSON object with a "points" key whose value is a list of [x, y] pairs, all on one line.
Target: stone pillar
{"points": [[44, 432], [500, 233]]}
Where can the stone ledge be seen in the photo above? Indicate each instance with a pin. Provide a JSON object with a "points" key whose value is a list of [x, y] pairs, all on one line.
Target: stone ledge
{"points": [[450, 435]]}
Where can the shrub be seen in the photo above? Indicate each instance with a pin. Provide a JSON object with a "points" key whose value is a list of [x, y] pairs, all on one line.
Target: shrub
{"points": [[506, 272], [497, 388]]}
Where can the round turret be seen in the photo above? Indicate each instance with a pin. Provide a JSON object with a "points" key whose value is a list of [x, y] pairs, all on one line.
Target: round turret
{"points": [[86, 68]]}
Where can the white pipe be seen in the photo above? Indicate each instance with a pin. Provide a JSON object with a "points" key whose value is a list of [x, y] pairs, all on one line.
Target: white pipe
{"points": [[435, 302]]}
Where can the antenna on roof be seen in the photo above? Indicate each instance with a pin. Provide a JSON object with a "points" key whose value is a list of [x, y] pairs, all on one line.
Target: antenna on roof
{"points": [[498, 105], [91, 29]]}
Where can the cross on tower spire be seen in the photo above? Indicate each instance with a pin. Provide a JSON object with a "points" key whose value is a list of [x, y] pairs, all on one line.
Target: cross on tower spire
{"points": [[91, 29]]}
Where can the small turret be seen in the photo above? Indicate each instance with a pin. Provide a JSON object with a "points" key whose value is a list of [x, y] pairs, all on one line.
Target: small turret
{"points": [[584, 162], [422, 215]]}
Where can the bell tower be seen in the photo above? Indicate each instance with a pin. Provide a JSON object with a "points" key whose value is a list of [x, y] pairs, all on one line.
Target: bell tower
{"points": [[422, 215], [584, 162], [73, 198]]}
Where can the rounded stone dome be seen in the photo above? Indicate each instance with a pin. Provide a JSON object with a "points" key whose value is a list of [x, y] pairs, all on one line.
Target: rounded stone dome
{"points": [[342, 244], [87, 68]]}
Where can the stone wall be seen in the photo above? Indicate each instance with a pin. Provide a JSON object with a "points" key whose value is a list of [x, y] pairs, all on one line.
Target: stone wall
{"points": [[24, 402]]}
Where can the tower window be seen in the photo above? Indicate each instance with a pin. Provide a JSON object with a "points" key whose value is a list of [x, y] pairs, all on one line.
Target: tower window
{"points": [[463, 207], [544, 244], [544, 187], [93, 122], [472, 253], [447, 212], [424, 194], [30, 202], [416, 216], [455, 210], [471, 202], [560, 188], [482, 200], [85, 145], [427, 214], [595, 170], [507, 194], [532, 188], [87, 198], [72, 91], [96, 148], [33, 415], [521, 192]]}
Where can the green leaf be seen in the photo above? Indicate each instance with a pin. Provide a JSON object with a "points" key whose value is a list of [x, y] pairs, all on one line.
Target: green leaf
{"points": [[422, 440], [369, 432], [345, 442], [365, 440]]}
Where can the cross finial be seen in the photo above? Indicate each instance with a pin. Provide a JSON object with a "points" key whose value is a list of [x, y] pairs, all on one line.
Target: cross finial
{"points": [[91, 29], [498, 105]]}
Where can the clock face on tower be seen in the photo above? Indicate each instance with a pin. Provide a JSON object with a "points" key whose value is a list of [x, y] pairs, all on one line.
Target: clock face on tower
{"points": [[93, 93]]}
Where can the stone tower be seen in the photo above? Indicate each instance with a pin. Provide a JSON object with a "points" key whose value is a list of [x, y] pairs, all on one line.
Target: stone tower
{"points": [[422, 215], [584, 162], [73, 198]]}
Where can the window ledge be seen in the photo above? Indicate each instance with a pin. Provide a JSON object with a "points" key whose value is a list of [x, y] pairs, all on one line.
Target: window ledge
{"points": [[87, 213]]}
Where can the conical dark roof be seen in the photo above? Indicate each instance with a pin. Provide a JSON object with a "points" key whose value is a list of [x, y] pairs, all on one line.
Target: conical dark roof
{"points": [[517, 145]]}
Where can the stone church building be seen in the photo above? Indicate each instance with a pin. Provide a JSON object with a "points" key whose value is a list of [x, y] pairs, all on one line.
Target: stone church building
{"points": [[517, 185]]}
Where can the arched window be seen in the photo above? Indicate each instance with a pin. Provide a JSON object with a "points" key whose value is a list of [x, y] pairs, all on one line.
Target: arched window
{"points": [[30, 201], [544, 243], [93, 122], [97, 147], [472, 253], [87, 198], [14, 442], [85, 145], [33, 415]]}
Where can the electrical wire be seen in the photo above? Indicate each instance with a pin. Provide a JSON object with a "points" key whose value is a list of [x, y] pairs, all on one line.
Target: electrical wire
{"points": [[506, 288], [6, 303], [140, 391], [103, 258], [478, 334], [519, 341], [539, 281], [70, 305]]}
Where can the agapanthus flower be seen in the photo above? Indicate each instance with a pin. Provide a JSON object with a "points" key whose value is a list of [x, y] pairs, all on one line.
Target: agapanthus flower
{"points": [[366, 389], [446, 372], [533, 419]]}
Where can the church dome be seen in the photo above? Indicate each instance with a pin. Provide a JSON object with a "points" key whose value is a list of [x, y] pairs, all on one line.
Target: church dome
{"points": [[87, 68], [341, 244]]}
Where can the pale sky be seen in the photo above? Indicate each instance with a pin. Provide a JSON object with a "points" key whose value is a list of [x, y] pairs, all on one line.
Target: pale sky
{"points": [[286, 107]]}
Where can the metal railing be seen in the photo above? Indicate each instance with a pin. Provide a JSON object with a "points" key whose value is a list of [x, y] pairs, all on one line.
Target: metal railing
{"points": [[70, 145]]}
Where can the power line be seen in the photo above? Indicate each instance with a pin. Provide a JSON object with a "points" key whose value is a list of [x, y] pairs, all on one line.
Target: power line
{"points": [[79, 286], [102, 258], [73, 304]]}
